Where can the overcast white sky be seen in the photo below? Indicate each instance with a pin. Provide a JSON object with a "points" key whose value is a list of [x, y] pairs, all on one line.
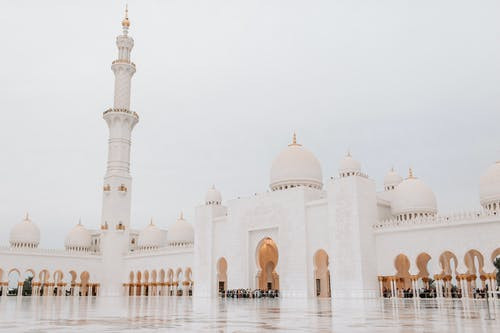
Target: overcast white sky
{"points": [[220, 87]]}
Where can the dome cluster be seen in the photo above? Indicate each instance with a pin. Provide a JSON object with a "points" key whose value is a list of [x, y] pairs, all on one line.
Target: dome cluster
{"points": [[25, 234], [180, 233], [295, 166]]}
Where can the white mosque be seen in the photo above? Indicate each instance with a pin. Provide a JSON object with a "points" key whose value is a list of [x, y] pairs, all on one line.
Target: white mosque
{"points": [[307, 236]]}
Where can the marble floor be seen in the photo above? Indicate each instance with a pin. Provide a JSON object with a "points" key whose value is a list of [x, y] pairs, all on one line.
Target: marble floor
{"points": [[184, 314]]}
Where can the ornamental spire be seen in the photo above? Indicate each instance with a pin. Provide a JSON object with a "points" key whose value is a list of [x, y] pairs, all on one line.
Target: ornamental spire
{"points": [[410, 173], [125, 21], [294, 140]]}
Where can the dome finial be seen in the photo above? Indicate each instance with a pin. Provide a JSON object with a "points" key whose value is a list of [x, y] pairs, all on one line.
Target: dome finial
{"points": [[27, 216], [80, 221], [125, 21], [181, 217], [151, 221], [294, 140], [410, 173], [348, 153]]}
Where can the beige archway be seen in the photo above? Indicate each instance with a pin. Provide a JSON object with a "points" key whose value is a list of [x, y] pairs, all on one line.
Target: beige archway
{"points": [[221, 275], [138, 284], [423, 268], [84, 280], [58, 282], [445, 260], [170, 281], [402, 265], [322, 274], [470, 262], [267, 260], [131, 283]]}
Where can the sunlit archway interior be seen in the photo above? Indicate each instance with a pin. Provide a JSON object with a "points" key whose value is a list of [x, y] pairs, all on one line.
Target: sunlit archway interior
{"points": [[267, 260]]}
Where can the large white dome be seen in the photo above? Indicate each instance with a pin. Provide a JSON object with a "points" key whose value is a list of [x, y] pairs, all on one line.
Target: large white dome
{"points": [[78, 239], [349, 166], [25, 234], [489, 187], [213, 196], [296, 166], [181, 232], [413, 198], [150, 237]]}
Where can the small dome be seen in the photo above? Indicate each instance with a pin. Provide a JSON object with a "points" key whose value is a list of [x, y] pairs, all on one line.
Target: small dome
{"points": [[296, 166], [181, 232], [391, 180], [213, 196], [489, 187], [150, 237], [25, 234], [78, 239], [413, 197], [349, 166]]}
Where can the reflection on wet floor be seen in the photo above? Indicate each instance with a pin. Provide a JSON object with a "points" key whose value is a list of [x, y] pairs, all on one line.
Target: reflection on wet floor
{"points": [[112, 314]]}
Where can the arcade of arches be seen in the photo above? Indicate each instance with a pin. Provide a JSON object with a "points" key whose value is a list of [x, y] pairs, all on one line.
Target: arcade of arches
{"points": [[449, 281], [162, 282], [14, 282]]}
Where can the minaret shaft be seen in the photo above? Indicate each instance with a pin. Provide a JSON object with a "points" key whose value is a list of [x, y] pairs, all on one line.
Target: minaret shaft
{"points": [[121, 121]]}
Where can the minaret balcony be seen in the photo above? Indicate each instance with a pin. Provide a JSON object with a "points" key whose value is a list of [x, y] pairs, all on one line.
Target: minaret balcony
{"points": [[123, 61], [113, 110]]}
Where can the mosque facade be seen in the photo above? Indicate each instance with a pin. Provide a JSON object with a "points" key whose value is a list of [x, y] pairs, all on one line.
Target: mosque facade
{"points": [[306, 236]]}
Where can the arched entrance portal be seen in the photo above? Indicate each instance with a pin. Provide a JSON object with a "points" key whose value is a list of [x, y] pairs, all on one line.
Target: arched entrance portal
{"points": [[321, 274], [267, 260], [221, 275]]}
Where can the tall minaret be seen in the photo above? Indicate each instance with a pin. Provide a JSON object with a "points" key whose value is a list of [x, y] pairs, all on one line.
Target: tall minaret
{"points": [[117, 181], [121, 120]]}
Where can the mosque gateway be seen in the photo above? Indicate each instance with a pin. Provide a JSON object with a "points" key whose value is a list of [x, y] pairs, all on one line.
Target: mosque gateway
{"points": [[309, 235]]}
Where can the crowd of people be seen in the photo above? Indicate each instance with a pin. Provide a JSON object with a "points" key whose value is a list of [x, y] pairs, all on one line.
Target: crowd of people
{"points": [[431, 293], [248, 293]]}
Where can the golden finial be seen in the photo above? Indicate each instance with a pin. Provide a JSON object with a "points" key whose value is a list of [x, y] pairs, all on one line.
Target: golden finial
{"points": [[126, 22], [410, 173], [294, 140]]}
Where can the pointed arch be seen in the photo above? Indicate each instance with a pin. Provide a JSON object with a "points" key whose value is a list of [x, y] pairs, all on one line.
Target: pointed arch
{"points": [[222, 274], [322, 274]]}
